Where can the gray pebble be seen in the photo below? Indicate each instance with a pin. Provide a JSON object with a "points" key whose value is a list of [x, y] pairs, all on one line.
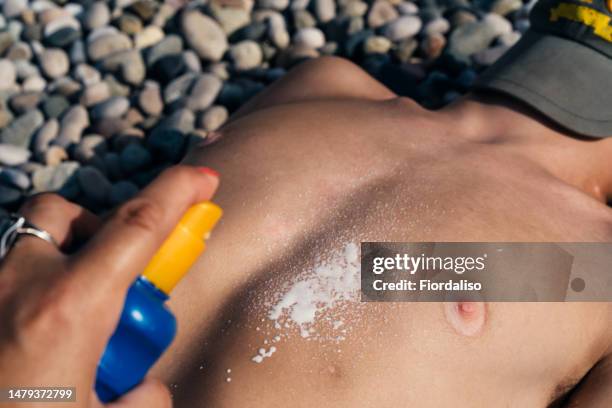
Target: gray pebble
{"points": [[246, 55], [114, 107], [77, 52], [54, 63], [13, 8], [488, 56], [113, 166], [279, 5], [65, 86], [94, 184], [474, 37], [53, 178], [302, 19], [9, 195], [129, 64], [438, 25], [95, 94], [134, 157], [101, 46], [171, 45], [182, 120], [20, 131], [121, 192], [22, 102], [407, 8], [377, 45], [204, 92], [167, 144], [74, 121], [90, 146], [86, 74], [214, 117], [97, 15], [19, 51], [149, 36], [204, 35], [43, 138], [14, 178], [403, 28], [8, 74], [34, 84], [150, 101], [355, 8], [179, 87], [192, 61], [11, 155], [230, 19], [55, 105], [309, 38], [25, 69]]}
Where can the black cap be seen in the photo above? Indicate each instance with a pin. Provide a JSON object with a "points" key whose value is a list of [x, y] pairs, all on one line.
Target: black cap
{"points": [[562, 66]]}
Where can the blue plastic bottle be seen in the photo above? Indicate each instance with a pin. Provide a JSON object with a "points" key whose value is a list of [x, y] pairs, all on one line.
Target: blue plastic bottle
{"points": [[146, 326]]}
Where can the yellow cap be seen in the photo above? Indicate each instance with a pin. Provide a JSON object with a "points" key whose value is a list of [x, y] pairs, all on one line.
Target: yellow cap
{"points": [[183, 246]]}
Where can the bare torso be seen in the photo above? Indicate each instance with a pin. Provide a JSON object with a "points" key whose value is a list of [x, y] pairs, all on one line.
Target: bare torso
{"points": [[301, 183]]}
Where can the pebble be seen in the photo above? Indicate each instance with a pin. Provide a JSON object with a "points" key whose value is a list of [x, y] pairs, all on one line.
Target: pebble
{"points": [[402, 28], [407, 8], [121, 192], [204, 92], [302, 19], [279, 5], [54, 63], [113, 165], [214, 117], [20, 131], [19, 51], [34, 84], [204, 35], [134, 158], [488, 56], [54, 155], [73, 122], [8, 75], [325, 10], [94, 184], [474, 37], [14, 178], [192, 61], [129, 64], [86, 74], [382, 12], [171, 45], [181, 119], [6, 41], [166, 144], [95, 94], [24, 101], [11, 155], [177, 89], [438, 25], [53, 178], [13, 8], [230, 19], [246, 55], [377, 45], [113, 107], [150, 100], [504, 7], [433, 45], [406, 49], [77, 52], [44, 136], [90, 146], [97, 15], [309, 38], [55, 105], [65, 86], [9, 195], [277, 31], [102, 46], [130, 24], [148, 37]]}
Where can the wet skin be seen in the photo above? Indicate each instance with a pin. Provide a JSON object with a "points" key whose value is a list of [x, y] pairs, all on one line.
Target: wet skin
{"points": [[329, 156]]}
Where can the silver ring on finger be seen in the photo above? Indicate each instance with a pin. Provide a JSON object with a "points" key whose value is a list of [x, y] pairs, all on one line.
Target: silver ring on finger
{"points": [[16, 225]]}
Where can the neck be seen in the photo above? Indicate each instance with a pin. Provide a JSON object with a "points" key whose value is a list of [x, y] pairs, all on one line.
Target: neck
{"points": [[579, 161]]}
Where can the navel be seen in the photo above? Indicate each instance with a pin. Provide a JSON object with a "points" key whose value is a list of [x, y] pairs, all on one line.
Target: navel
{"points": [[466, 318]]}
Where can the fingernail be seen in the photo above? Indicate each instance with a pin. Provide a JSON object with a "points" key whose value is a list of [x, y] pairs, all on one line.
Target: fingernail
{"points": [[208, 171]]}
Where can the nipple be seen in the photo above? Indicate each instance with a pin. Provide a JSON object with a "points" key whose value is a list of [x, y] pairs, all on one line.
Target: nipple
{"points": [[467, 318]]}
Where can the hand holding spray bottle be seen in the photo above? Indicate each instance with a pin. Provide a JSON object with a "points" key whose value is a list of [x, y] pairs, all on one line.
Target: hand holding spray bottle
{"points": [[147, 327]]}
